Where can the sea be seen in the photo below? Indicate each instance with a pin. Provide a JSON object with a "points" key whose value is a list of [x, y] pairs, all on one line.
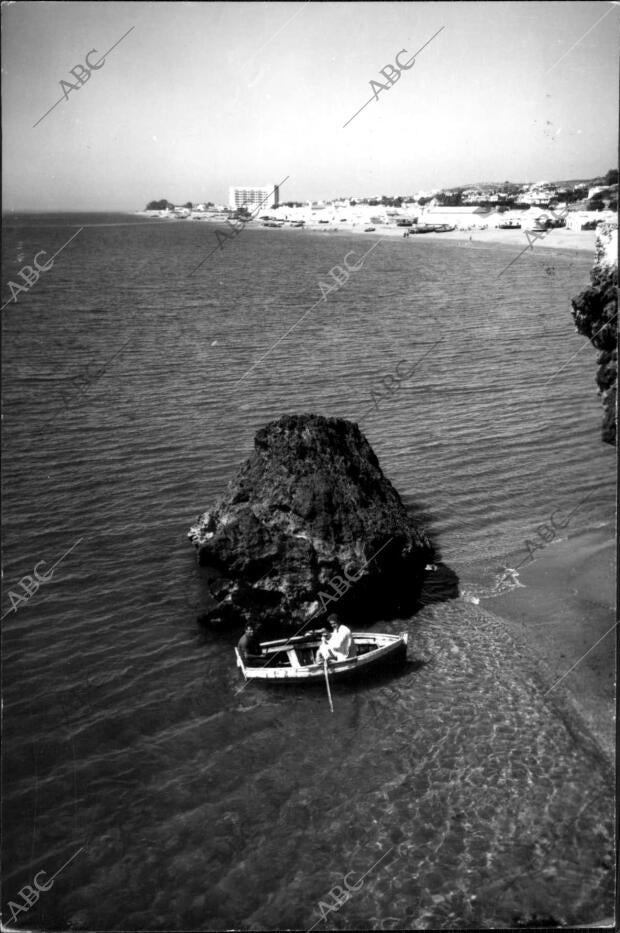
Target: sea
{"points": [[140, 773]]}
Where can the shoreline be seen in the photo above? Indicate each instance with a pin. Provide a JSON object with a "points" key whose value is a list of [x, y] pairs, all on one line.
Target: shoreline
{"points": [[563, 615], [561, 238], [474, 238]]}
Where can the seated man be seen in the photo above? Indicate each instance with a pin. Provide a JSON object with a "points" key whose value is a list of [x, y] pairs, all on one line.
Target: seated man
{"points": [[249, 647], [340, 646]]}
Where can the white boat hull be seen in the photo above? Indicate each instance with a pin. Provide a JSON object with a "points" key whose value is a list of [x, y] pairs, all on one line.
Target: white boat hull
{"points": [[292, 660]]}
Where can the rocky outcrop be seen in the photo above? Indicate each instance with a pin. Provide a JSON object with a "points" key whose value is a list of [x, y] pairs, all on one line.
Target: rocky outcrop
{"points": [[595, 312], [310, 524]]}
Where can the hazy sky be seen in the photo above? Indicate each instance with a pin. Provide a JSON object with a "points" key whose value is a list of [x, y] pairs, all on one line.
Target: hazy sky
{"points": [[200, 96]]}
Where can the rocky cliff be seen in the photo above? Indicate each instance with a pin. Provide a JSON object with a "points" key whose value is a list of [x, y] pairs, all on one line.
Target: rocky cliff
{"points": [[310, 525], [595, 312]]}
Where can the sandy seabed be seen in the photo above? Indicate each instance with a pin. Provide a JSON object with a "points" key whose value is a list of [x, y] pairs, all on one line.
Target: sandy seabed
{"points": [[563, 613]]}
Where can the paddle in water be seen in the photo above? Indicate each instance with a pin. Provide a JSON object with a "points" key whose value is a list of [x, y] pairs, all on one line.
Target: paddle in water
{"points": [[329, 693]]}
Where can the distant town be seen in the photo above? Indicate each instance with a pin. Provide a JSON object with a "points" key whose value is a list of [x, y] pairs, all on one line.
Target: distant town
{"points": [[580, 200]]}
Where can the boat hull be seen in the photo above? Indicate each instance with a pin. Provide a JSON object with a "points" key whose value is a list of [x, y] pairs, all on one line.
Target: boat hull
{"points": [[377, 653]]}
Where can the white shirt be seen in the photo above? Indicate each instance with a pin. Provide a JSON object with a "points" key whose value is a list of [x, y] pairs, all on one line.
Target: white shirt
{"points": [[340, 642]]}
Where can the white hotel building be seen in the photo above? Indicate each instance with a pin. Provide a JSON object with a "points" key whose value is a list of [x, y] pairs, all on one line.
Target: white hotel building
{"points": [[253, 198]]}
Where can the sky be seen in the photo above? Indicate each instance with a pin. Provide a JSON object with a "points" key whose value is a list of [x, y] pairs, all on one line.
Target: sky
{"points": [[200, 96]]}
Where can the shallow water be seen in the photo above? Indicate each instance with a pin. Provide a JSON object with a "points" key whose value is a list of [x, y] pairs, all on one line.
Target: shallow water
{"points": [[200, 807]]}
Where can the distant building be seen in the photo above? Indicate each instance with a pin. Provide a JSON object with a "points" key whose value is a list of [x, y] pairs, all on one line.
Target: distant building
{"points": [[253, 198], [471, 195], [463, 218]]}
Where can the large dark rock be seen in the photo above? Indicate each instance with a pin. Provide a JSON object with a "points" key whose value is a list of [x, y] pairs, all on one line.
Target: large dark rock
{"points": [[595, 312], [308, 516]]}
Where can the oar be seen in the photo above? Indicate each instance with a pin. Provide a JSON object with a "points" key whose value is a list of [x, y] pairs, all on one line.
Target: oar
{"points": [[329, 693]]}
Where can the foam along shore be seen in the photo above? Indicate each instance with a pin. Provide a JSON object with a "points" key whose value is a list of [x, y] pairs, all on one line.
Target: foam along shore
{"points": [[564, 608]]}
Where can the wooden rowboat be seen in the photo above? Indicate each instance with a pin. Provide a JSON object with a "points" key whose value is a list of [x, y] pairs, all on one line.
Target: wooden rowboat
{"points": [[291, 660]]}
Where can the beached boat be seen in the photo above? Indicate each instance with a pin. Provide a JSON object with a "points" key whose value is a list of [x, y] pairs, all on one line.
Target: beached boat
{"points": [[291, 660], [429, 228]]}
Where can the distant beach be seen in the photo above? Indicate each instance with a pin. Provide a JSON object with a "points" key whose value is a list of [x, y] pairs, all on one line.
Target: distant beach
{"points": [[559, 238]]}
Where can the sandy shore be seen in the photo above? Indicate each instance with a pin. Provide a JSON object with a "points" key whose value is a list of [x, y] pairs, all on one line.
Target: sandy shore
{"points": [[565, 607], [561, 238]]}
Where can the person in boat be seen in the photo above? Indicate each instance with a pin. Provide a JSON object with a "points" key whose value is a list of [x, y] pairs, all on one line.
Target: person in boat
{"points": [[249, 646], [340, 645], [324, 651]]}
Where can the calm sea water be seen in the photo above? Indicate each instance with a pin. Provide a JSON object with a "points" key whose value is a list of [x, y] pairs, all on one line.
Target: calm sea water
{"points": [[455, 789]]}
